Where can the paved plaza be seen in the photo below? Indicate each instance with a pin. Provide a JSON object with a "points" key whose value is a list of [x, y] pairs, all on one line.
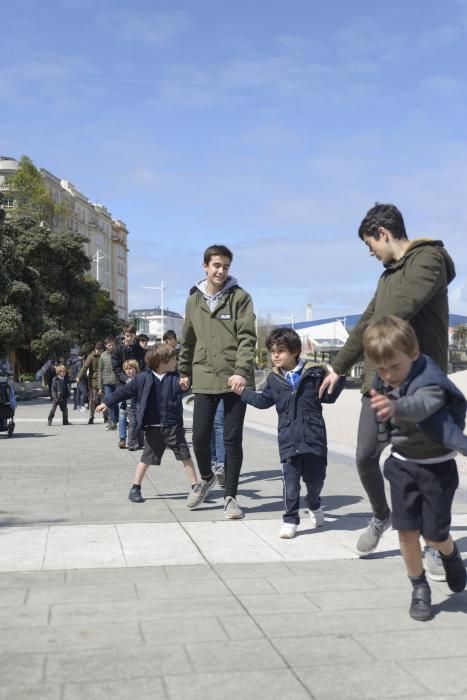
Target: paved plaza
{"points": [[101, 598]]}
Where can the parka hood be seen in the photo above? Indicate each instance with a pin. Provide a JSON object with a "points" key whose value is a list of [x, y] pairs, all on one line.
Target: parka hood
{"points": [[419, 243]]}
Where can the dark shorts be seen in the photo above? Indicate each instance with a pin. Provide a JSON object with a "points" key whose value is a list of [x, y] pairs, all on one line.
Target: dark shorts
{"points": [[157, 439], [422, 496]]}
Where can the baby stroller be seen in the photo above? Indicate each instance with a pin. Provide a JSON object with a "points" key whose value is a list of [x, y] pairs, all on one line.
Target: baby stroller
{"points": [[7, 406]]}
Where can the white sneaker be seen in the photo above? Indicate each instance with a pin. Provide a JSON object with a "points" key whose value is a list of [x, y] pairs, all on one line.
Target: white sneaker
{"points": [[287, 531], [317, 517]]}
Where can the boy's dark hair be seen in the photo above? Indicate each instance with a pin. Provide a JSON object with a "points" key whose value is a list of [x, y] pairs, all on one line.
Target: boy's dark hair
{"points": [[109, 339], [158, 353], [169, 335], [385, 215], [129, 329], [217, 249], [99, 345], [142, 336], [382, 339], [285, 338]]}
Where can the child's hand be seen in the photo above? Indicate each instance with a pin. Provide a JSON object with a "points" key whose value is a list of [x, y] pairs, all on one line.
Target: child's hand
{"points": [[383, 405], [237, 383], [101, 408]]}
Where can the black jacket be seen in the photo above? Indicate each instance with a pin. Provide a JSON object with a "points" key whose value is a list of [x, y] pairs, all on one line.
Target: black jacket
{"points": [[59, 389], [168, 397], [121, 353], [301, 427]]}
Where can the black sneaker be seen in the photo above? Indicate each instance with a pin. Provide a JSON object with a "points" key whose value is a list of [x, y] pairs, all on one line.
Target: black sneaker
{"points": [[49, 421], [135, 495], [420, 608], [90, 421], [456, 576]]}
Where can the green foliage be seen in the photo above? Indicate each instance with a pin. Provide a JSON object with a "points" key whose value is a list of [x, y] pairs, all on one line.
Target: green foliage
{"points": [[460, 335], [53, 343], [48, 300]]}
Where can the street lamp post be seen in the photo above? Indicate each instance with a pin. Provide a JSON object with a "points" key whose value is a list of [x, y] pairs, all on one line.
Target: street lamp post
{"points": [[161, 287], [290, 318], [97, 258]]}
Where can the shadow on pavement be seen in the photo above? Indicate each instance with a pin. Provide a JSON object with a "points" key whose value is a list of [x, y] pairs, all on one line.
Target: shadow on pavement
{"points": [[17, 521]]}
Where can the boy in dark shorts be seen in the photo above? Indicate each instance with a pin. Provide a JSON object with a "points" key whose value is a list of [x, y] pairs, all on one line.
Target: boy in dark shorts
{"points": [[159, 412], [422, 414]]}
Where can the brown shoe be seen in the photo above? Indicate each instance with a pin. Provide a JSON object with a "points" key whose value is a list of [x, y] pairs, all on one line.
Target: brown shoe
{"points": [[122, 444]]}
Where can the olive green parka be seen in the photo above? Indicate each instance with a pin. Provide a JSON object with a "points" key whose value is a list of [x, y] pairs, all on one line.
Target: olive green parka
{"points": [[217, 344], [414, 288]]}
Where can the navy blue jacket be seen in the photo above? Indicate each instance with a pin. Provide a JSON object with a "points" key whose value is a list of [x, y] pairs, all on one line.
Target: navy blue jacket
{"points": [[301, 428], [168, 397], [443, 427]]}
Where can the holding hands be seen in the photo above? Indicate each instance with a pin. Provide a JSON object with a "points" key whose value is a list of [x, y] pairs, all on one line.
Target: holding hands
{"points": [[237, 383], [382, 405]]}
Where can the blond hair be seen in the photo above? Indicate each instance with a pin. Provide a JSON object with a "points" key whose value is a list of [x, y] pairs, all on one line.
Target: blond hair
{"points": [[160, 353], [60, 368], [131, 363], [384, 338]]}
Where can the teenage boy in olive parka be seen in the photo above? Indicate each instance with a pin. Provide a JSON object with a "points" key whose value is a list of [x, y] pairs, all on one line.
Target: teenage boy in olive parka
{"points": [[217, 357], [414, 287]]}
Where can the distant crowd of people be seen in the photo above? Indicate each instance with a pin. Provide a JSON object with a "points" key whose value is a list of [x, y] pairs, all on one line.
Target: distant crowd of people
{"points": [[407, 402]]}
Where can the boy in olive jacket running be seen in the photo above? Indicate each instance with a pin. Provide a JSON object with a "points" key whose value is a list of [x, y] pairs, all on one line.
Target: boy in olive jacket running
{"points": [[413, 287], [217, 357]]}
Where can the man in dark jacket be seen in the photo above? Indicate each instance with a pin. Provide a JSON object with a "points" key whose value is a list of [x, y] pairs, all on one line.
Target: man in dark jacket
{"points": [[414, 287]]}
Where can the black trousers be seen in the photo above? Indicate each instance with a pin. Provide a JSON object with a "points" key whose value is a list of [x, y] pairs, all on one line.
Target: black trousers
{"points": [[368, 452], [63, 407], [205, 406]]}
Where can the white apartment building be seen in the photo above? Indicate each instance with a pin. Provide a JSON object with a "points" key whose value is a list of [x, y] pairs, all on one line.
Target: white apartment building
{"points": [[160, 322], [106, 238]]}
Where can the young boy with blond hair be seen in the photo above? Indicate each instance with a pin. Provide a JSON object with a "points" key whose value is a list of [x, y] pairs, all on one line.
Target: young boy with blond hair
{"points": [[422, 414], [159, 413], [60, 392], [134, 435]]}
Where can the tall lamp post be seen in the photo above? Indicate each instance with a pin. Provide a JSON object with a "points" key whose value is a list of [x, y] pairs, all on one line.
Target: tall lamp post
{"points": [[161, 287], [97, 259], [290, 318]]}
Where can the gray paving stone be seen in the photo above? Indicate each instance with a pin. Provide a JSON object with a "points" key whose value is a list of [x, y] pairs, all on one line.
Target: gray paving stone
{"points": [[359, 681], [140, 688], [277, 603], [28, 668], [321, 651], [361, 600], [422, 643], [86, 577], [250, 586], [253, 685], [83, 594], [101, 613], [97, 665], [87, 636], [440, 675], [196, 571], [241, 627], [167, 631], [180, 588], [21, 579], [23, 616], [228, 571], [13, 596], [320, 582], [21, 692], [244, 655]]}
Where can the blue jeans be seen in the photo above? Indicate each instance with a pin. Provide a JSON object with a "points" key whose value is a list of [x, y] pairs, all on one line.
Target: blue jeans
{"points": [[113, 410], [122, 416], [217, 442], [310, 468]]}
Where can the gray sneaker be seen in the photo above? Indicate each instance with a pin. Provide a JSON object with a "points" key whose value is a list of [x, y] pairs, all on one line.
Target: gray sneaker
{"points": [[199, 492], [232, 510], [370, 537], [220, 475], [433, 565]]}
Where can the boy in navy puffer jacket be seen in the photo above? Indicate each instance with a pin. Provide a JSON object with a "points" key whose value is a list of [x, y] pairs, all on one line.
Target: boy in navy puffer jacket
{"points": [[293, 387], [422, 414], [159, 413]]}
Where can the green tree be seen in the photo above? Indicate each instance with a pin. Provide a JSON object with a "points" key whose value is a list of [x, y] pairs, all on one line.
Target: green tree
{"points": [[460, 335]]}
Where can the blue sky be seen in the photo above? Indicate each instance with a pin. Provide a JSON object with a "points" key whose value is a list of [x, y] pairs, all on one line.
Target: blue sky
{"points": [[271, 127]]}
